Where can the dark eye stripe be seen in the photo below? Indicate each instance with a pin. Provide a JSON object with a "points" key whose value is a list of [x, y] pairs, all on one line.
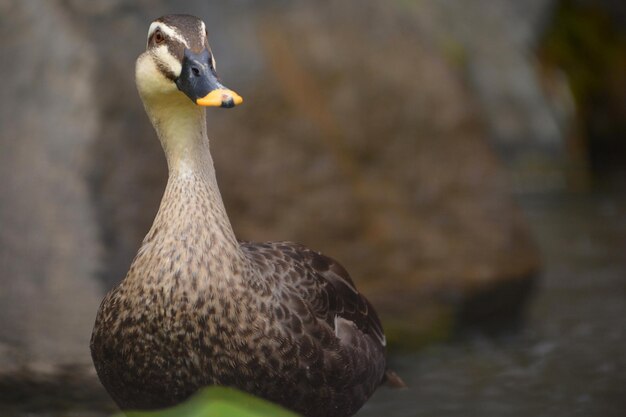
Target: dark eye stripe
{"points": [[175, 48], [166, 71]]}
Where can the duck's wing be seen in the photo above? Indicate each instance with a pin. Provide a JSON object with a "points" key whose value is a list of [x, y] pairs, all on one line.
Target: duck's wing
{"points": [[323, 331], [323, 284]]}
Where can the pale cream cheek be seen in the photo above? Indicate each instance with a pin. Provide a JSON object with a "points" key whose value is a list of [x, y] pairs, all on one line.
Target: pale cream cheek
{"points": [[163, 55], [150, 80]]}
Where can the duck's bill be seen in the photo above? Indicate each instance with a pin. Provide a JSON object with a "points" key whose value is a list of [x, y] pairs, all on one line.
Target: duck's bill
{"points": [[198, 80], [221, 97]]}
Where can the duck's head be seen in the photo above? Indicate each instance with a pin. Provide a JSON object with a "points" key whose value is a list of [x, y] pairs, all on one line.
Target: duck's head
{"points": [[177, 60]]}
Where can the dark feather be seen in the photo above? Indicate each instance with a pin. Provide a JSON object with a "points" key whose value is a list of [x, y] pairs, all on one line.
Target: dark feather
{"points": [[325, 285]]}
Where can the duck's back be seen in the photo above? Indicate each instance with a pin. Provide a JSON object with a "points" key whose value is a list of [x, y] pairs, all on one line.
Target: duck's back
{"points": [[337, 345]]}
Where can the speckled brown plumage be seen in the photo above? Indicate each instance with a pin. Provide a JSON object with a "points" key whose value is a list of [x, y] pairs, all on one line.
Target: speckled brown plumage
{"points": [[199, 308]]}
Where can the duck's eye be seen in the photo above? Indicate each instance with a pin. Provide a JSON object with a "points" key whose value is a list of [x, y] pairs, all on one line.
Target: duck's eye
{"points": [[158, 37]]}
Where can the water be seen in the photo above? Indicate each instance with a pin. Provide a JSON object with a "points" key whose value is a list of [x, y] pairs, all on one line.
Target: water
{"points": [[569, 359]]}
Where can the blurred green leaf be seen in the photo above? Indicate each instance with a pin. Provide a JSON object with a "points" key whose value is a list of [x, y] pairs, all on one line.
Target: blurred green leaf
{"points": [[218, 402]]}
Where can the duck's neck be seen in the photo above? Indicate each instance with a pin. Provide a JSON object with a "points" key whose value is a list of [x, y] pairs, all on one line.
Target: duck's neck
{"points": [[191, 223], [181, 127]]}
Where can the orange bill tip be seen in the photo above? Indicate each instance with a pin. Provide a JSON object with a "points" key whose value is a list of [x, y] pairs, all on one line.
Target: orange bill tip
{"points": [[220, 97]]}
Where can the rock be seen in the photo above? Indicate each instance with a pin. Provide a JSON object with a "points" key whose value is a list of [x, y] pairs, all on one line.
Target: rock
{"points": [[357, 138], [529, 116], [49, 242], [384, 163]]}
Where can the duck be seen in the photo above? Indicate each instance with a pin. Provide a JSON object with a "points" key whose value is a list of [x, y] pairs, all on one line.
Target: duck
{"points": [[198, 307]]}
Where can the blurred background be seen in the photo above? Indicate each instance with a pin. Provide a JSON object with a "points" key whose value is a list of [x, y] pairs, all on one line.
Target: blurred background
{"points": [[465, 160]]}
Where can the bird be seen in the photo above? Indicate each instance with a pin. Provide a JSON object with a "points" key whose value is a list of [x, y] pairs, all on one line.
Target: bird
{"points": [[198, 307]]}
